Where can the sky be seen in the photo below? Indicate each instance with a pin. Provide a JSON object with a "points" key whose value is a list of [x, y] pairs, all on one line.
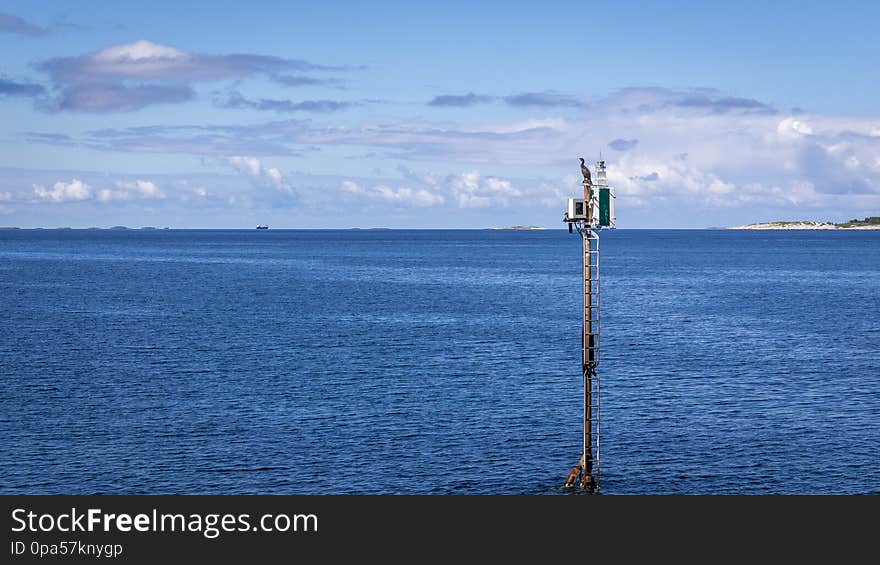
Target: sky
{"points": [[441, 115]]}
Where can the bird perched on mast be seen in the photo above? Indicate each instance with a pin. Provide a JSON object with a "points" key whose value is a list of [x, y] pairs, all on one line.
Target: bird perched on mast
{"points": [[588, 182], [585, 171]]}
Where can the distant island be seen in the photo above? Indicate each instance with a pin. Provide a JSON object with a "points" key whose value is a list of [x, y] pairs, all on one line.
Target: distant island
{"points": [[869, 223], [516, 228]]}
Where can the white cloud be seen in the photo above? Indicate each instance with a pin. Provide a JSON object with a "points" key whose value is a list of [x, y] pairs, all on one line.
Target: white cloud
{"points": [[500, 186], [72, 191], [527, 125], [353, 187], [77, 190], [793, 128], [148, 189], [248, 165], [413, 197], [138, 52], [253, 167], [274, 175], [107, 195], [131, 190], [405, 196], [142, 188], [467, 190], [473, 190]]}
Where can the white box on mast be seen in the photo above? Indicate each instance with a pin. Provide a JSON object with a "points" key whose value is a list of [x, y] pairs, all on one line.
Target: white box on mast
{"points": [[577, 209]]}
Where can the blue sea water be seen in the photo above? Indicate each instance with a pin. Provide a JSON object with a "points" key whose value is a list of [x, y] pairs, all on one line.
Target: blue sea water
{"points": [[298, 362]]}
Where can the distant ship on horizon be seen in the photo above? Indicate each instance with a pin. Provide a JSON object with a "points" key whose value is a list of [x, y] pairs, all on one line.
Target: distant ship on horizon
{"points": [[263, 227]]}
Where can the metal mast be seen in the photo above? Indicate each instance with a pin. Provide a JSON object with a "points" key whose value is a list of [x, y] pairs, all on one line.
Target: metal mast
{"points": [[592, 213]]}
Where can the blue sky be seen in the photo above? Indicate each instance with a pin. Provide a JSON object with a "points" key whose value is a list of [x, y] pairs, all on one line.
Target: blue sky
{"points": [[333, 114]]}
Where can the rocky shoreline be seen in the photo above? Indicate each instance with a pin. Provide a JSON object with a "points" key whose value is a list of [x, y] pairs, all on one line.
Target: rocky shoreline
{"points": [[802, 226]]}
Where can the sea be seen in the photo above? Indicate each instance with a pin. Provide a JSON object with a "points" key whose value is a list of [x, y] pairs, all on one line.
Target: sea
{"points": [[436, 362]]}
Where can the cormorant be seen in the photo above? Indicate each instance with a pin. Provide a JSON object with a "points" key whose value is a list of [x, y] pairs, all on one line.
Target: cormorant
{"points": [[585, 171]]}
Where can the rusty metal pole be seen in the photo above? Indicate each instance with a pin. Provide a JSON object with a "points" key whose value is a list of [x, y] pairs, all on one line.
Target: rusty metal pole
{"points": [[588, 346], [582, 218]]}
